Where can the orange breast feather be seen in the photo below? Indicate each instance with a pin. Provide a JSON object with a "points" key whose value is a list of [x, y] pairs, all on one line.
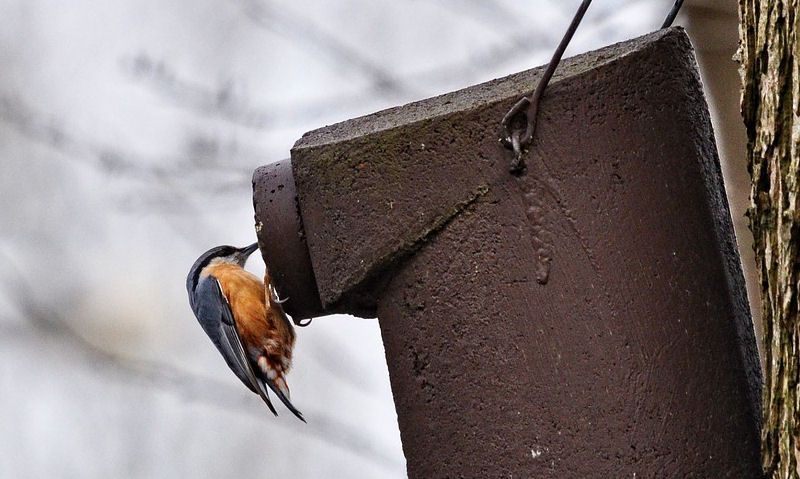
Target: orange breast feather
{"points": [[263, 328]]}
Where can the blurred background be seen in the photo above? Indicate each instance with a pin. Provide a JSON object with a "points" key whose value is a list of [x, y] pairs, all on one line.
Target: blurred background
{"points": [[129, 131]]}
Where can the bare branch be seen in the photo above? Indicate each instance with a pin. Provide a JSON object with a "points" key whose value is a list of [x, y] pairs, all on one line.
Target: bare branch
{"points": [[179, 176], [226, 103], [492, 13], [294, 25]]}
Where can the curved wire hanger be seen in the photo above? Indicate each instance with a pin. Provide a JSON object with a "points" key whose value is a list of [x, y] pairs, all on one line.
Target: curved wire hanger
{"points": [[519, 124]]}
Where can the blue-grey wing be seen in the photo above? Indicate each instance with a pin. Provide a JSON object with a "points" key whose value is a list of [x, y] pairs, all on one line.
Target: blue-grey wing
{"points": [[216, 318]]}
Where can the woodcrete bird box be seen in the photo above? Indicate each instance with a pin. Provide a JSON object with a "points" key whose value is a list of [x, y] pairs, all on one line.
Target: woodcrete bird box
{"points": [[586, 318]]}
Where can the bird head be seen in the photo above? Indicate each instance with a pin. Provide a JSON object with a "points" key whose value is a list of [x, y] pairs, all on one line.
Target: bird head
{"points": [[230, 254], [218, 254]]}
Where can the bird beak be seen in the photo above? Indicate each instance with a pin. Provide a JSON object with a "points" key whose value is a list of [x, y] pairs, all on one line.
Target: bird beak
{"points": [[245, 253]]}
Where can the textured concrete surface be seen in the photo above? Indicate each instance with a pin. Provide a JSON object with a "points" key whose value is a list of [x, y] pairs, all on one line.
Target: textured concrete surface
{"points": [[281, 239], [587, 319]]}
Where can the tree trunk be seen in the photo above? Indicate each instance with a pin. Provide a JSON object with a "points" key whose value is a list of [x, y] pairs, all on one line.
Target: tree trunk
{"points": [[769, 53]]}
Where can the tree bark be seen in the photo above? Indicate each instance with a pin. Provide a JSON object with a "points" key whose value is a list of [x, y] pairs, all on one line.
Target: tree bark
{"points": [[769, 54]]}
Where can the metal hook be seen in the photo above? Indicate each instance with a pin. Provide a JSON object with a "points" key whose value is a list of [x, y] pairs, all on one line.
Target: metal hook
{"points": [[532, 103], [512, 122], [299, 323], [516, 164]]}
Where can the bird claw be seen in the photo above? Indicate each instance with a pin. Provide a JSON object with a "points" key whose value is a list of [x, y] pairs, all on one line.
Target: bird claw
{"points": [[274, 296], [279, 300]]}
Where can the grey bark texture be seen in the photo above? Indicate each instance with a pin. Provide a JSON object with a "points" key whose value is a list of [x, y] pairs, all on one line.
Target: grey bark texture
{"points": [[769, 56]]}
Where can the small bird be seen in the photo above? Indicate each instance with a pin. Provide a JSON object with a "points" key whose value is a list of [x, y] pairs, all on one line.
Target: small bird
{"points": [[244, 319]]}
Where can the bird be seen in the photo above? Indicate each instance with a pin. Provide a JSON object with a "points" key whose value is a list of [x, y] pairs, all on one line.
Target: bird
{"points": [[244, 318]]}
